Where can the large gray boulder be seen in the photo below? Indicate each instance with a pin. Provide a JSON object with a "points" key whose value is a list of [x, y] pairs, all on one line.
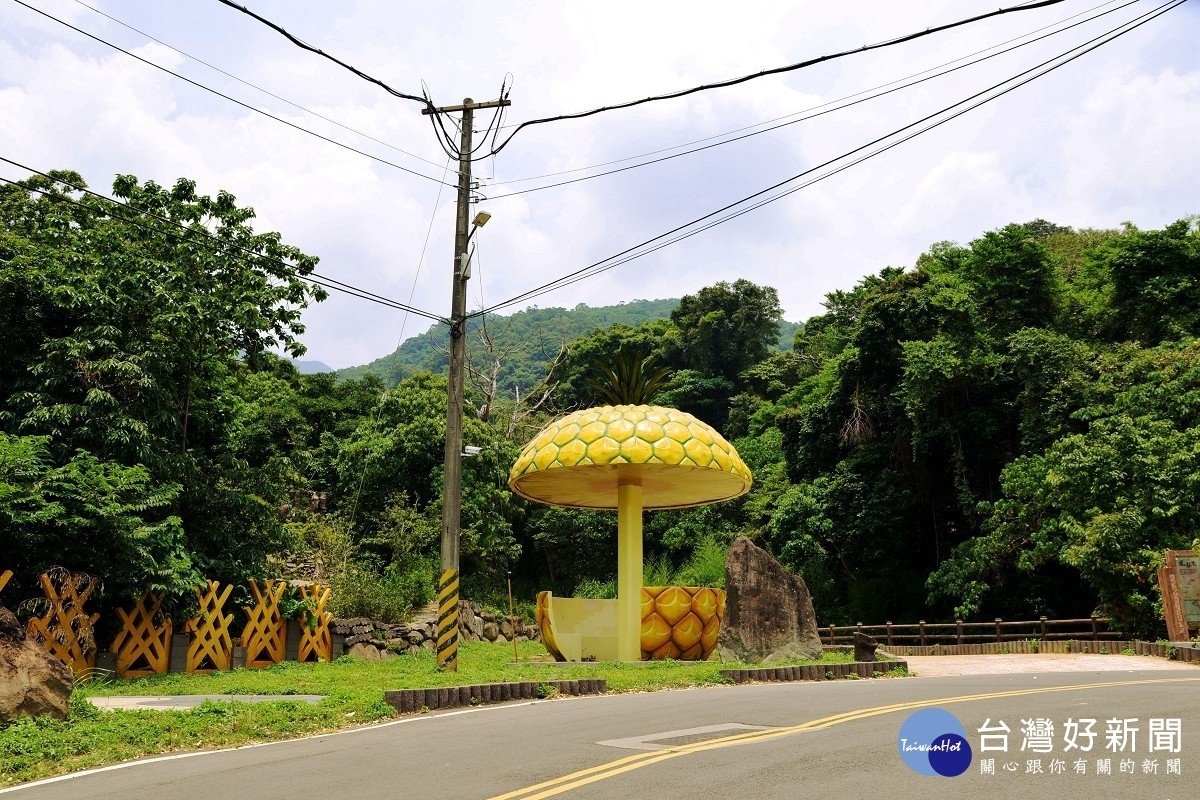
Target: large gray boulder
{"points": [[32, 682], [769, 612]]}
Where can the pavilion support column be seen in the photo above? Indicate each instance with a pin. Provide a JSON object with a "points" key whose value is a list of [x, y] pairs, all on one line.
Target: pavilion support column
{"points": [[629, 572]]}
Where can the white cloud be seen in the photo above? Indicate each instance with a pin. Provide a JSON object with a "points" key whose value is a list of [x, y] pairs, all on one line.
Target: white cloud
{"points": [[1109, 138]]}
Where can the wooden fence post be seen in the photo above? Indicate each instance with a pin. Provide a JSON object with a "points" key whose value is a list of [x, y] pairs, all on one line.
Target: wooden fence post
{"points": [[958, 630], [889, 633], [921, 628], [1042, 619], [998, 621]]}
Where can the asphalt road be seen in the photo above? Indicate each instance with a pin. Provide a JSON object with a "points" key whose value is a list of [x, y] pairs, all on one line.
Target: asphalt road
{"points": [[826, 740]]}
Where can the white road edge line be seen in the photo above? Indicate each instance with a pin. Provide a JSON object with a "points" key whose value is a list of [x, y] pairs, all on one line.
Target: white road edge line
{"points": [[365, 728]]}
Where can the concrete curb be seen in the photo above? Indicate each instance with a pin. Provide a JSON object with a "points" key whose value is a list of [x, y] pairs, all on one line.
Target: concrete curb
{"points": [[814, 672], [407, 701]]}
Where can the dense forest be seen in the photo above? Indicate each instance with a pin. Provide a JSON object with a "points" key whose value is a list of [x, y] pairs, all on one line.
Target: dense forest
{"points": [[1006, 427], [524, 344]]}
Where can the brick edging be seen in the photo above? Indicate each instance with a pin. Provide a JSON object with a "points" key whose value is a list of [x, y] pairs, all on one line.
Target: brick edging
{"points": [[813, 672], [407, 701]]}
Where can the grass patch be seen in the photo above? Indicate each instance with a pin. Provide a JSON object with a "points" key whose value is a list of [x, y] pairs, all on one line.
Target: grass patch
{"points": [[353, 690]]}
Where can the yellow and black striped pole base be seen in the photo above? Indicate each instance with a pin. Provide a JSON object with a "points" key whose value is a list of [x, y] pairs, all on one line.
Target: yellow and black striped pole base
{"points": [[447, 624]]}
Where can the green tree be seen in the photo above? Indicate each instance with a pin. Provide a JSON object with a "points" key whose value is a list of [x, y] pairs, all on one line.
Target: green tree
{"points": [[127, 340], [725, 328]]}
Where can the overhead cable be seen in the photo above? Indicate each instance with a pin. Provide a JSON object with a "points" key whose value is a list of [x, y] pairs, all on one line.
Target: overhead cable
{"points": [[776, 70], [254, 86], [434, 115], [222, 95], [305, 46], [290, 269], [796, 117], [931, 121]]}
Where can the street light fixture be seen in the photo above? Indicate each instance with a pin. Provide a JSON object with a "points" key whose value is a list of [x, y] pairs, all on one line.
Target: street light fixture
{"points": [[464, 259]]}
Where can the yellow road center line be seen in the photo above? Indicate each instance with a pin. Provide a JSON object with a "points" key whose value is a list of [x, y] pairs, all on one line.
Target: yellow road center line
{"points": [[622, 765]]}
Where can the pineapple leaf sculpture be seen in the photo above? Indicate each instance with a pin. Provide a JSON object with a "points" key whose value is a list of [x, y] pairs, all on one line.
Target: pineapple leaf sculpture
{"points": [[629, 380]]}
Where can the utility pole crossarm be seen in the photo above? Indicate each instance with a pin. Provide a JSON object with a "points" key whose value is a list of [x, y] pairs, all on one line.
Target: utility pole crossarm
{"points": [[467, 105]]}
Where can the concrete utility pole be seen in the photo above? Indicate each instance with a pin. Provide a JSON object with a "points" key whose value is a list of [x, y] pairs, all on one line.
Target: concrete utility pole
{"points": [[447, 627]]}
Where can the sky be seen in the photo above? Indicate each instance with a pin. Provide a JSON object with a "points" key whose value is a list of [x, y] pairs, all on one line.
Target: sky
{"points": [[1109, 138]]}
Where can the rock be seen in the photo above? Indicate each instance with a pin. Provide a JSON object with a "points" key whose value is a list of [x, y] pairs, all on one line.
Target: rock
{"points": [[769, 613], [32, 682], [416, 636], [490, 631], [387, 655], [413, 649], [364, 651], [506, 628], [10, 626], [864, 647]]}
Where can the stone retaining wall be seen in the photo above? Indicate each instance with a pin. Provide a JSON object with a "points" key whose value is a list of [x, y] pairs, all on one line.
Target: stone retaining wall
{"points": [[368, 639]]}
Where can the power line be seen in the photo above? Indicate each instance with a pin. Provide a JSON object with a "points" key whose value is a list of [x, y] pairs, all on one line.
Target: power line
{"points": [[290, 269], [305, 46], [639, 250], [224, 96], [254, 86], [444, 139], [825, 106], [362, 478], [776, 70]]}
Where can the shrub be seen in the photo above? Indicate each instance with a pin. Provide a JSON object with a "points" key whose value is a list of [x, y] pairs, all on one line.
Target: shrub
{"points": [[706, 565], [387, 597]]}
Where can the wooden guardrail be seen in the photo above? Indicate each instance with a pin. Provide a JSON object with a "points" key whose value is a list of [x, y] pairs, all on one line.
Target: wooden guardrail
{"points": [[923, 634]]}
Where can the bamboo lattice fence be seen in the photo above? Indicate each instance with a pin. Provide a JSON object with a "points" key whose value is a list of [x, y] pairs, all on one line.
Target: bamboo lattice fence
{"points": [[65, 629], [143, 646], [211, 647], [147, 636], [265, 634], [316, 643]]}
